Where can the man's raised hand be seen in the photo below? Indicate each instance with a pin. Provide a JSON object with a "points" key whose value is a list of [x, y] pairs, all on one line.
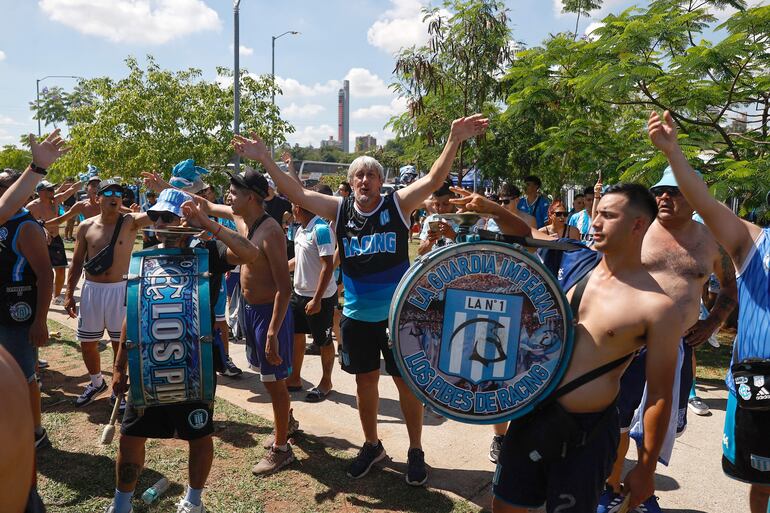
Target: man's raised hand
{"points": [[465, 128], [154, 182], [194, 215], [472, 202], [47, 152], [253, 149], [663, 132]]}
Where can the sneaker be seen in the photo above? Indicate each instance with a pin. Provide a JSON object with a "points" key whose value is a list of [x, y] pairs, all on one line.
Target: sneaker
{"points": [[59, 300], [231, 369], [495, 447], [609, 500], [313, 350], [41, 440], [189, 507], [367, 456], [416, 473], [122, 407], [274, 460], [293, 428], [42, 364], [697, 406], [90, 393], [649, 506]]}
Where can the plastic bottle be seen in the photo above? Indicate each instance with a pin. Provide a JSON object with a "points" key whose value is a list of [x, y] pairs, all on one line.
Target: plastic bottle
{"points": [[152, 493]]}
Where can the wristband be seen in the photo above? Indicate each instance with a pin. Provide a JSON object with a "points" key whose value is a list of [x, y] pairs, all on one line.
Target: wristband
{"points": [[37, 169], [218, 230]]}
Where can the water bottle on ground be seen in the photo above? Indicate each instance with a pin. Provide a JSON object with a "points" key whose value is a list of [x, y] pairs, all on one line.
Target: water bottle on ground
{"points": [[152, 493]]}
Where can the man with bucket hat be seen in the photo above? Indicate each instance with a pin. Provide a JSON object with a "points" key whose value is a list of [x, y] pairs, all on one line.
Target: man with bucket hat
{"points": [[680, 254], [191, 421]]}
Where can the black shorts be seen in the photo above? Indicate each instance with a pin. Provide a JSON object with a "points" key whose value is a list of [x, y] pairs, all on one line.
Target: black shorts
{"points": [[318, 325], [745, 445], [56, 252], [361, 345], [571, 484], [187, 421]]}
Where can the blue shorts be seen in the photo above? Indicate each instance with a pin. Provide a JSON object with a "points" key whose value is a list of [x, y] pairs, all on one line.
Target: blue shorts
{"points": [[15, 340], [220, 308], [572, 483], [256, 324]]}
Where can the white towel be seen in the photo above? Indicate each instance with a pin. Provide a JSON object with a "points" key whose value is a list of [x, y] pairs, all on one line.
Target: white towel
{"points": [[637, 425]]}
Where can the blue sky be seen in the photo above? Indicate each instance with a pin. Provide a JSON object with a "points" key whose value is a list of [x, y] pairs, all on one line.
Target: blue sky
{"points": [[340, 39]]}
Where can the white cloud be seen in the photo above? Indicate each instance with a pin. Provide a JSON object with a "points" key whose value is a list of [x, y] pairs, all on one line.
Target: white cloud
{"points": [[244, 51], [7, 120], [133, 21], [312, 135], [396, 106], [2, 55], [365, 83], [309, 110], [589, 32], [400, 27], [293, 88]]}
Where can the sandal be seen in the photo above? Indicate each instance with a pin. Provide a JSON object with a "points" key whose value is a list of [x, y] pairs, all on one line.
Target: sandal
{"points": [[315, 395]]}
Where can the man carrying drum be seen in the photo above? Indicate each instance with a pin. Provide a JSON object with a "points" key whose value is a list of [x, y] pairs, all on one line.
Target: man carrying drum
{"points": [[191, 421], [372, 236], [560, 454]]}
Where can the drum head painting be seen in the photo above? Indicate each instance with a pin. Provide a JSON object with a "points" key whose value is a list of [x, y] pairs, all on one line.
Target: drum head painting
{"points": [[481, 331]]}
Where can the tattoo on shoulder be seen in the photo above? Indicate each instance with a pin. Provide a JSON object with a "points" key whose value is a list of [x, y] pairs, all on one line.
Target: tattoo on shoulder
{"points": [[726, 264]]}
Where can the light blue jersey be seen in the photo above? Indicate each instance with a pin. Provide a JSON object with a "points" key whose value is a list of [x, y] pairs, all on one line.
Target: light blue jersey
{"points": [[582, 221], [753, 340]]}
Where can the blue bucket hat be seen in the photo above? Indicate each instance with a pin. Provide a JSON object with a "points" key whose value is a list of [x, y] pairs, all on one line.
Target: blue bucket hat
{"points": [[187, 176], [171, 200], [668, 179]]}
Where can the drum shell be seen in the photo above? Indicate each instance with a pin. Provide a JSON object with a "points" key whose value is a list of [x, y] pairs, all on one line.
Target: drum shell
{"points": [[159, 374], [405, 344]]}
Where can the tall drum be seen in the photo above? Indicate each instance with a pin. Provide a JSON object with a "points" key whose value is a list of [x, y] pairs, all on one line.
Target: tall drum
{"points": [[168, 327], [481, 331]]}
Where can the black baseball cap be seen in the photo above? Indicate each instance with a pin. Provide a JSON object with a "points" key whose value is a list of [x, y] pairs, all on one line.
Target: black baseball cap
{"points": [[106, 184], [251, 180]]}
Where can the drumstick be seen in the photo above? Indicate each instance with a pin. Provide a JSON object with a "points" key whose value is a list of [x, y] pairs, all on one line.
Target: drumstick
{"points": [[109, 430], [623, 508]]}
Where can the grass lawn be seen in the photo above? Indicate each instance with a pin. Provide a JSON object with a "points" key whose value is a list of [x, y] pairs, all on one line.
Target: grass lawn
{"points": [[76, 475]]}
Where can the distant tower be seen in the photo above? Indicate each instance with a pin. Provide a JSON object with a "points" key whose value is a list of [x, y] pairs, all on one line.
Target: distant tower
{"points": [[343, 116]]}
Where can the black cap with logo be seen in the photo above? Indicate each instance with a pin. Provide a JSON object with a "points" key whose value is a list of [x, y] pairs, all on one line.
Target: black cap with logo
{"points": [[250, 179]]}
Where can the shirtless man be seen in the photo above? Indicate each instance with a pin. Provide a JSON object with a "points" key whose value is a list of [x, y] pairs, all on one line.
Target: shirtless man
{"points": [[46, 207], [745, 448], [623, 309], [371, 273], [102, 299], [266, 288], [87, 207], [680, 254]]}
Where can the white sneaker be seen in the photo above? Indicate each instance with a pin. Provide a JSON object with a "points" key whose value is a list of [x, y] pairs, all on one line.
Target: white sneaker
{"points": [[697, 406], [713, 342], [188, 507]]}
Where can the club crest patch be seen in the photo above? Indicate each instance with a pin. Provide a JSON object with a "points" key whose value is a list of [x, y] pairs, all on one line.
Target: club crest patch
{"points": [[198, 418], [21, 311], [481, 331]]}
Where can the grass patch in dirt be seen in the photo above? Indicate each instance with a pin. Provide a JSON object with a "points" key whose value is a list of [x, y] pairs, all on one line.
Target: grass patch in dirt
{"points": [[76, 475]]}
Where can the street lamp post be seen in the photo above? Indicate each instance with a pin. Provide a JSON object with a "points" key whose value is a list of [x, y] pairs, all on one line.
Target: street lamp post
{"points": [[236, 81], [272, 75], [37, 90]]}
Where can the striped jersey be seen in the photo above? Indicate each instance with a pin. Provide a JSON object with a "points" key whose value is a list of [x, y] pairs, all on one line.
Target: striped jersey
{"points": [[374, 255], [582, 221], [753, 340]]}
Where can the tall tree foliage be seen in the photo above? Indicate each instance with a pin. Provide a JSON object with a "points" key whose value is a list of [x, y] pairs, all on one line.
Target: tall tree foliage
{"points": [[154, 118]]}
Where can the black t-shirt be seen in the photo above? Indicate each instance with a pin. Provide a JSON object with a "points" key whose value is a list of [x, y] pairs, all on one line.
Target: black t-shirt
{"points": [[276, 207]]}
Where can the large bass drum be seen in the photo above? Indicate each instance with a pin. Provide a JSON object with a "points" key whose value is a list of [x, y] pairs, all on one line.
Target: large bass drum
{"points": [[481, 331], [168, 327]]}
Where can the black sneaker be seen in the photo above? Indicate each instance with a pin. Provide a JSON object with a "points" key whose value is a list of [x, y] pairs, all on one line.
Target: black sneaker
{"points": [[41, 440], [122, 407], [495, 447], [416, 473], [367, 456], [231, 370], [42, 364], [90, 392]]}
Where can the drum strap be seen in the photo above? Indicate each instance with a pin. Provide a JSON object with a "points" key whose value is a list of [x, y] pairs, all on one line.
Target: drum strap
{"points": [[599, 371], [256, 225], [529, 241]]}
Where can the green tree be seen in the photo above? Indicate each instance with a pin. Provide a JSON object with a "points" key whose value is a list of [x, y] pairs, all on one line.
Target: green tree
{"points": [[12, 157], [456, 74], [581, 8], [153, 118]]}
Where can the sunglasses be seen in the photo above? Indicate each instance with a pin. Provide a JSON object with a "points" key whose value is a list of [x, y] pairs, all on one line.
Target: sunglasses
{"points": [[505, 201], [560, 214], [666, 189], [167, 217], [109, 193]]}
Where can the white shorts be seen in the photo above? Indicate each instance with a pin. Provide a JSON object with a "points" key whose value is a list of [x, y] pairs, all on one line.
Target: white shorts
{"points": [[102, 306]]}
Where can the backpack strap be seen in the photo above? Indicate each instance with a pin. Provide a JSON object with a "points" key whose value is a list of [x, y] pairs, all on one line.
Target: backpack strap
{"points": [[256, 224]]}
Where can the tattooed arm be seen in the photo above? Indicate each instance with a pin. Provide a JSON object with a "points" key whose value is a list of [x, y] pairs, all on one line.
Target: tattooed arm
{"points": [[240, 250], [725, 302]]}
